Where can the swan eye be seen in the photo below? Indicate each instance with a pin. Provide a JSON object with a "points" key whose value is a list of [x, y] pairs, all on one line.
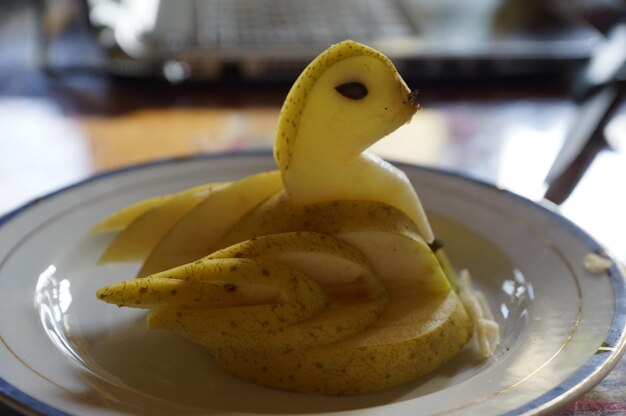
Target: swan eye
{"points": [[352, 90]]}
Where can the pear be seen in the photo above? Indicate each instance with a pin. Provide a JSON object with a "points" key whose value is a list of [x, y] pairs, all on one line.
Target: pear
{"points": [[384, 234], [195, 234], [194, 299], [122, 218], [165, 289], [415, 335], [324, 129], [143, 231], [320, 277], [271, 294], [357, 296]]}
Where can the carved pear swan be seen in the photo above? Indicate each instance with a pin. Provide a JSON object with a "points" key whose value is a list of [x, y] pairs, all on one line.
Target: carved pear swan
{"points": [[317, 277]]}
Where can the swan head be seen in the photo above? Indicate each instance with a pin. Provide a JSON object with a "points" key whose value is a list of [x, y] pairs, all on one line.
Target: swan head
{"points": [[347, 98]]}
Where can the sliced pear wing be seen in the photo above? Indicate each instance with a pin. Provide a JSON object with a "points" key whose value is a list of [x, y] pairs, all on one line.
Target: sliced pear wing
{"points": [[144, 232], [403, 260], [384, 234], [195, 235], [356, 293], [300, 299], [219, 301], [208, 295], [277, 214], [121, 218], [158, 290], [345, 316], [415, 335], [322, 257]]}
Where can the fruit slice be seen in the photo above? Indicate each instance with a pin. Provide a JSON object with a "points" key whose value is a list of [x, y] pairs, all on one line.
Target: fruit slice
{"points": [[158, 290], [144, 232], [121, 218], [403, 261], [305, 113], [357, 295], [327, 260], [195, 235], [285, 296], [415, 335], [320, 152], [486, 327], [385, 235]]}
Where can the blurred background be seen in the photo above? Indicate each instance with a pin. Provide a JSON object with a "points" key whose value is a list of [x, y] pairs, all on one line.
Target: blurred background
{"points": [[524, 94], [506, 86]]}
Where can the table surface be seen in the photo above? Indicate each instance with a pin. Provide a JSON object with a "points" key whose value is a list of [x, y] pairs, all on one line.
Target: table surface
{"points": [[58, 128]]}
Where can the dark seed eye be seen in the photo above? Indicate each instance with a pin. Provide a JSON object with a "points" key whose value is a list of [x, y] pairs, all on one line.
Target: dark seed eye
{"points": [[352, 90], [435, 245]]}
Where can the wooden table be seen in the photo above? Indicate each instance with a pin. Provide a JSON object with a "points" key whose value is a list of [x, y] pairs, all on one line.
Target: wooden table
{"points": [[56, 129]]}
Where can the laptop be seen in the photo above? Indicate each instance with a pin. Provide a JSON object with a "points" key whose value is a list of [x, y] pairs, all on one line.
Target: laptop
{"points": [[275, 39]]}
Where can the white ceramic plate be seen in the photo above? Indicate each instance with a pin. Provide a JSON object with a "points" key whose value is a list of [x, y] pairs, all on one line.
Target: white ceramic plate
{"points": [[63, 351]]}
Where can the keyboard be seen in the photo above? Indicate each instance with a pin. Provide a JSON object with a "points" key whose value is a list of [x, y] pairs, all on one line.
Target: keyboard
{"points": [[260, 23]]}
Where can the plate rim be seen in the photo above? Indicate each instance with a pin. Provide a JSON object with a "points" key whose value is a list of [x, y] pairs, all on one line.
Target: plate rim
{"points": [[577, 384]]}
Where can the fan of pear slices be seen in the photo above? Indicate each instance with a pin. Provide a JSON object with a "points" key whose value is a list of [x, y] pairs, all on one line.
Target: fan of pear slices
{"points": [[321, 277]]}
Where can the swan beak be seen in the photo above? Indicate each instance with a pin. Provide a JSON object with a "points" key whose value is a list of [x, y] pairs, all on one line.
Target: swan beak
{"points": [[412, 97]]}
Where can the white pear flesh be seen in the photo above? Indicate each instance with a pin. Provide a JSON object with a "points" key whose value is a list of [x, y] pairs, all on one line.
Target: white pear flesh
{"points": [[384, 234], [195, 235], [298, 297], [121, 218], [322, 135], [139, 237]]}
